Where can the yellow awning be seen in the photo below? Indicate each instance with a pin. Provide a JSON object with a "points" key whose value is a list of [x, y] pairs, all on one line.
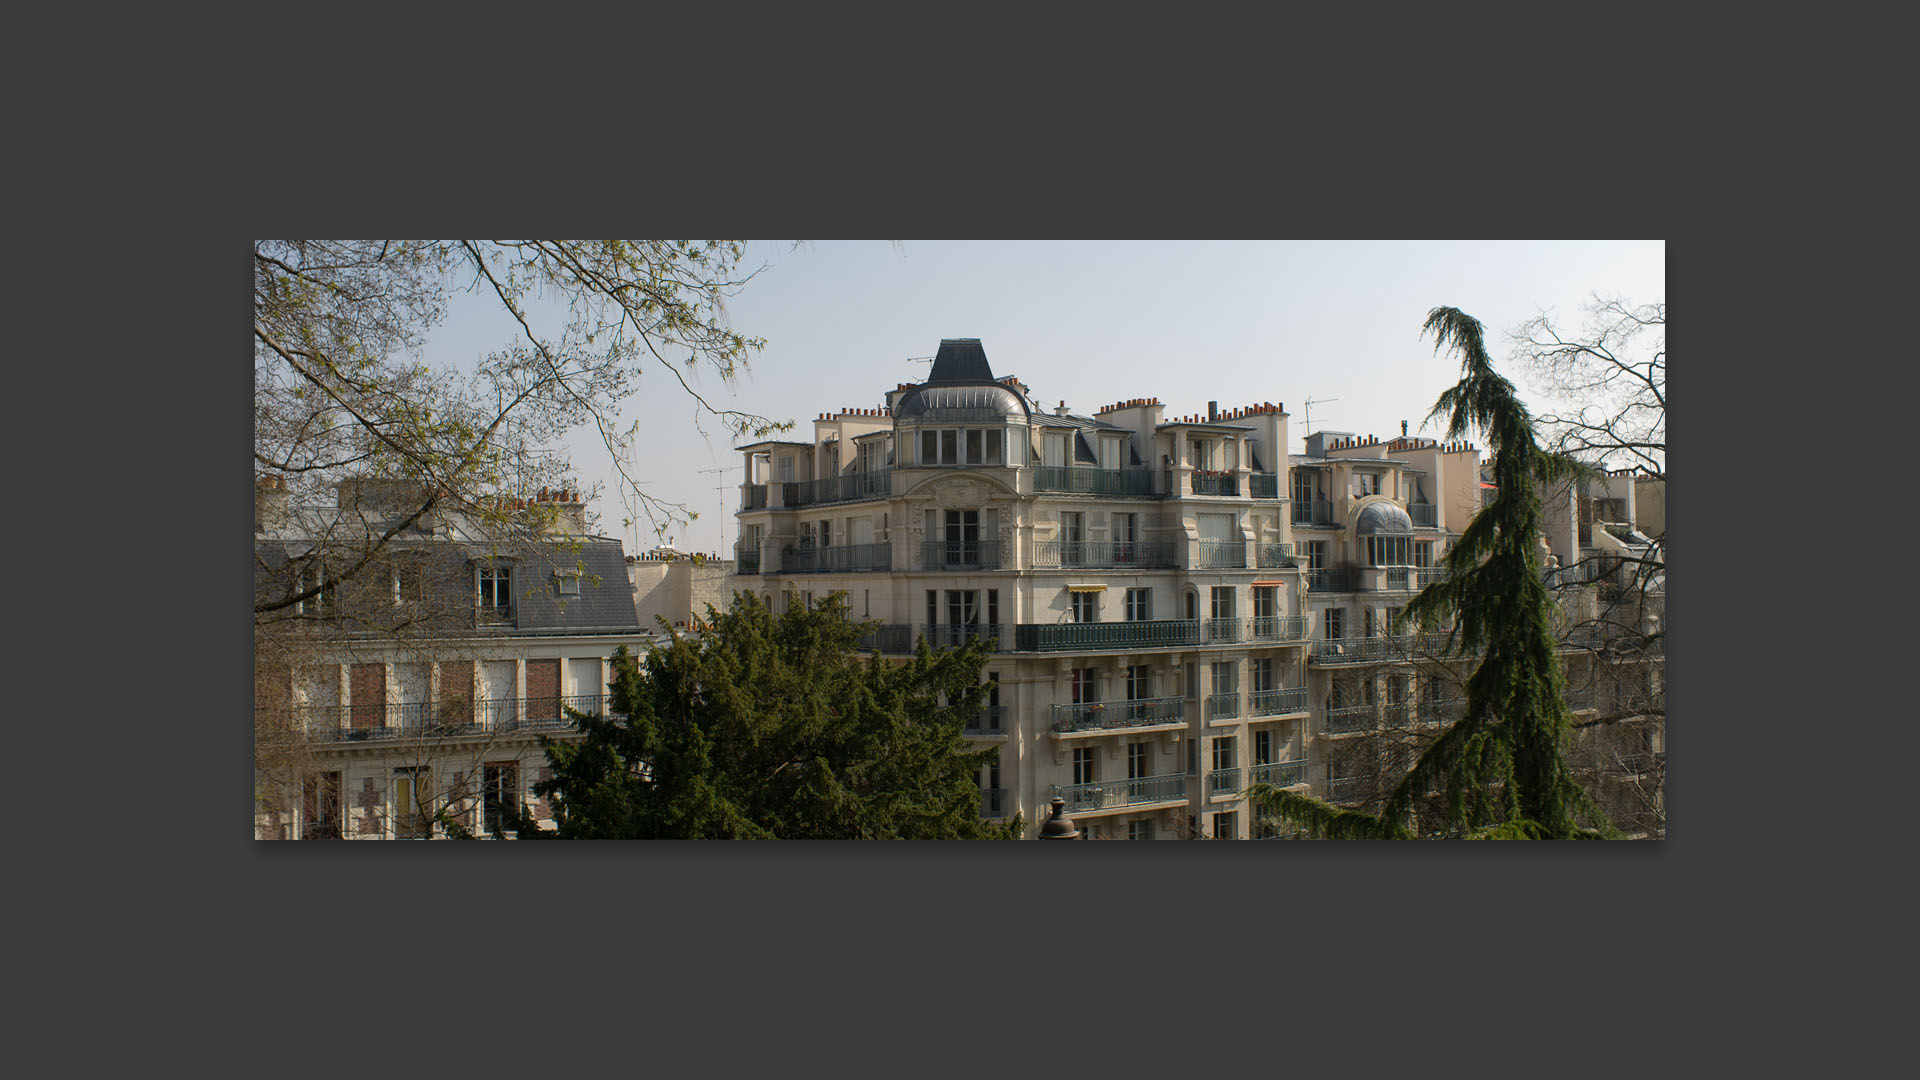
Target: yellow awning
{"points": [[1086, 588]]}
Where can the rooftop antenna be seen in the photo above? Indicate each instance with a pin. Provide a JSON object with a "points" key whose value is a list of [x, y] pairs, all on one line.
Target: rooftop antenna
{"points": [[919, 359], [720, 492], [1311, 402]]}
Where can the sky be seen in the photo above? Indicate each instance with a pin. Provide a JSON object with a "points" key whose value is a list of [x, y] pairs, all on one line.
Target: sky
{"points": [[1089, 323]]}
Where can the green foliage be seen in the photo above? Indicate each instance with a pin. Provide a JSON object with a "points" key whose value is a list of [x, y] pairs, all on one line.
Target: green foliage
{"points": [[1500, 772], [775, 727]]}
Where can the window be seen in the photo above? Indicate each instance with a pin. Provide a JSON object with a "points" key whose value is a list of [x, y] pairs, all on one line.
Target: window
{"points": [[1139, 682], [1263, 748], [1223, 601], [1316, 554], [1086, 685], [499, 795], [1126, 529], [1423, 553], [1054, 450], [976, 446], [496, 592], [1262, 674], [320, 603], [1083, 765], [949, 448], [1302, 489], [1335, 619], [1366, 483], [1223, 681], [412, 803], [409, 584], [1139, 830], [1390, 551], [1139, 761], [1086, 606], [1072, 537], [995, 439], [1263, 602], [1139, 605], [1225, 825], [320, 806], [1223, 752], [1202, 453], [568, 582], [1397, 690]]}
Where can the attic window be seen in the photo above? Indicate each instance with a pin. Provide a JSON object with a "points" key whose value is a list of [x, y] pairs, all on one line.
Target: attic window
{"points": [[568, 581]]}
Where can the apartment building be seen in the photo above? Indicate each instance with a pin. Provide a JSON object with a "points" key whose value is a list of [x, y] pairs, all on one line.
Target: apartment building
{"points": [[411, 696]]}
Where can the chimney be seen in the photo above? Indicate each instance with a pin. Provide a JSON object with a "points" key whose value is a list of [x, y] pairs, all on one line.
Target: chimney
{"points": [[1403, 429], [1061, 409], [1213, 411]]}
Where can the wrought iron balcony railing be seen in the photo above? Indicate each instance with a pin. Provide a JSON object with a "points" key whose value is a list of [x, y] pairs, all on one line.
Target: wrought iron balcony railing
{"points": [[1105, 715], [1312, 512], [960, 555], [1426, 514], [746, 558], [847, 487], [1333, 579], [1277, 627], [847, 558], [1281, 773], [949, 635], [1222, 706], [887, 637], [1074, 637], [1348, 788], [1223, 631], [1274, 555], [1215, 482], [1219, 554], [1442, 711], [991, 721], [1263, 485], [1223, 781], [1075, 480], [1362, 650], [1353, 718], [438, 719], [995, 802], [1106, 794], [1106, 554], [755, 497], [1276, 702]]}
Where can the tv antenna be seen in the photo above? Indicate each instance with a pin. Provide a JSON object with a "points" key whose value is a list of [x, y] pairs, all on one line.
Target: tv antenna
{"points": [[721, 497], [1311, 402], [919, 359]]}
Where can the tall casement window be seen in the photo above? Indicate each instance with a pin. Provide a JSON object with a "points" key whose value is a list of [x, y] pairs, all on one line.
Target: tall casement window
{"points": [[1083, 765], [1140, 830], [412, 798], [1302, 488], [1126, 532], [1223, 752], [499, 794], [495, 592], [1423, 553], [1263, 602], [1139, 682], [962, 446], [1139, 760], [962, 534], [1222, 602], [320, 806], [1333, 624], [1086, 685], [1390, 551], [1262, 674], [1223, 679], [1139, 605], [1053, 450], [1226, 826], [1086, 606], [1263, 747], [1366, 483], [1315, 552], [1201, 451]]}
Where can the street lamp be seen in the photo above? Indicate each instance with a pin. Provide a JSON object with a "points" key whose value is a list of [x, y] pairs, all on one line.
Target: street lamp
{"points": [[1059, 826]]}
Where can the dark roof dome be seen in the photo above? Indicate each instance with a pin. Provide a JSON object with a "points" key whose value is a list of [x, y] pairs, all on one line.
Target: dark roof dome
{"points": [[1383, 517], [961, 387]]}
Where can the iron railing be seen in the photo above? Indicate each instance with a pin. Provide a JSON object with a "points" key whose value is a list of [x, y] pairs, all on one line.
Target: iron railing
{"points": [[1424, 576], [1106, 794], [1399, 577], [1398, 714], [848, 487], [1106, 554], [439, 719], [1333, 579], [947, 635], [887, 638], [1275, 702], [1223, 781], [1312, 512], [1215, 482], [1426, 514], [1348, 788], [1353, 718], [1263, 485], [1218, 554], [1277, 627], [1442, 711], [1223, 705], [1075, 637], [755, 498], [847, 558], [991, 721], [1281, 773], [1362, 650], [1076, 480], [960, 555], [746, 558], [1269, 555], [1223, 631], [1103, 715], [995, 802]]}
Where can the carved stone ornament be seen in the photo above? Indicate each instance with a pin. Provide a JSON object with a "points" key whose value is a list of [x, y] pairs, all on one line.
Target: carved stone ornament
{"points": [[959, 493]]}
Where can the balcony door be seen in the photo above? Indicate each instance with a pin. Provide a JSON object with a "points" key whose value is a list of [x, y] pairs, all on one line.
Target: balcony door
{"points": [[963, 537]]}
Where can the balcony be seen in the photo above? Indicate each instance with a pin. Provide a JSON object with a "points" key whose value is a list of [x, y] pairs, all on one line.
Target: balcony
{"points": [[1277, 628], [849, 487], [1333, 579], [1398, 714], [1215, 482], [755, 497], [886, 637], [1349, 789], [1352, 718], [1424, 514], [1264, 485], [953, 635], [1218, 554], [1223, 782], [848, 558], [440, 719], [1442, 711], [1072, 480], [1424, 576], [1366, 650], [1223, 706], [991, 721], [1274, 555], [1116, 715], [1113, 794], [1223, 631], [1106, 554], [960, 555], [1312, 512], [1277, 702], [1080, 637], [746, 559], [1281, 773], [995, 803]]}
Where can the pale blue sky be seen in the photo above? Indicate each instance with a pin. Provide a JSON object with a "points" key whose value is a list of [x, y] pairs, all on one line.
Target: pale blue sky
{"points": [[1093, 322]]}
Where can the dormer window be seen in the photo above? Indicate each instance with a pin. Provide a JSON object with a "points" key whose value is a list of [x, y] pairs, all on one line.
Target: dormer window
{"points": [[567, 582], [495, 592], [1366, 483], [962, 446]]}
